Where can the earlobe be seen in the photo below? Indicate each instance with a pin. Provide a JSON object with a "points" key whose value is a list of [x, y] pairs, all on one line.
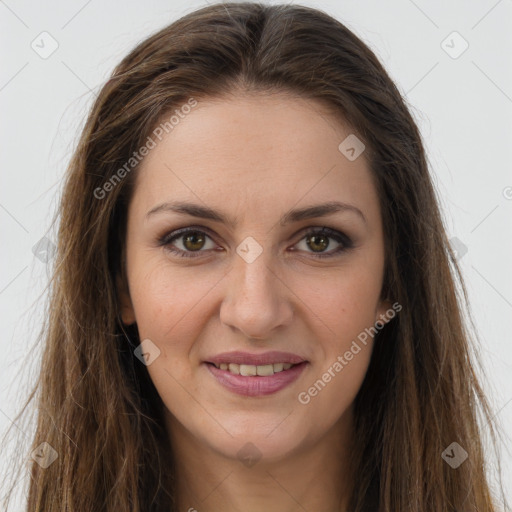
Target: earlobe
{"points": [[126, 307]]}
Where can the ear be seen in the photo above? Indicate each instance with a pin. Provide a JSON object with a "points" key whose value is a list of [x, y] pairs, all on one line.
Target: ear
{"points": [[127, 313], [385, 312]]}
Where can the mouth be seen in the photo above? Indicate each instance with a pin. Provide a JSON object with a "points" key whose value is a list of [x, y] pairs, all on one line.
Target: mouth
{"points": [[256, 374], [251, 370]]}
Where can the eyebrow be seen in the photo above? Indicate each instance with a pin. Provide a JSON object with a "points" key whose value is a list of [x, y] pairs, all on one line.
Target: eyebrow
{"points": [[296, 215]]}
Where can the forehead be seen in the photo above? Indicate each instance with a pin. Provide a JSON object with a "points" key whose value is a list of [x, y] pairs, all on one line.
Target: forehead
{"points": [[254, 152]]}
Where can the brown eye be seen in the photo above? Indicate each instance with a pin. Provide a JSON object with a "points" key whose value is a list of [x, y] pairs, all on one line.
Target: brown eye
{"points": [[194, 241], [319, 240], [318, 243], [191, 241]]}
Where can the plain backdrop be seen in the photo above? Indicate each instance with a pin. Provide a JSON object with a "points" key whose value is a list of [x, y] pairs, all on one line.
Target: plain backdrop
{"points": [[450, 60]]}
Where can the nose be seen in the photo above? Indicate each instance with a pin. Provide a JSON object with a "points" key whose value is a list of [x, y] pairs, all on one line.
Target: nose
{"points": [[256, 301]]}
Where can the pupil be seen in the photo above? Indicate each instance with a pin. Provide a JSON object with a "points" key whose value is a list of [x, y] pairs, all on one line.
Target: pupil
{"points": [[193, 239], [315, 239]]}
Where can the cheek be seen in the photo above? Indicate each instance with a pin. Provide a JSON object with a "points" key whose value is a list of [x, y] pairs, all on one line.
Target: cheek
{"points": [[168, 301], [329, 395], [346, 301], [347, 305]]}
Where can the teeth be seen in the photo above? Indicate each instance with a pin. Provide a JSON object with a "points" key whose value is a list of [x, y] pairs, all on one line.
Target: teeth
{"points": [[264, 370], [250, 370]]}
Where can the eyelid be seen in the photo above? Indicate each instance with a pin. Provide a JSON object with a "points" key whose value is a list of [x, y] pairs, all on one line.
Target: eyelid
{"points": [[335, 234], [168, 235], [175, 233]]}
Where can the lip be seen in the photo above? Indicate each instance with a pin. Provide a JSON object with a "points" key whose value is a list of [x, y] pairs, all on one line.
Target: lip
{"points": [[270, 357], [256, 385]]}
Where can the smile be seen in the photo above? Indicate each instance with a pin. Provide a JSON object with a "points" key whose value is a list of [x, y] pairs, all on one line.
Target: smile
{"points": [[250, 370], [256, 380]]}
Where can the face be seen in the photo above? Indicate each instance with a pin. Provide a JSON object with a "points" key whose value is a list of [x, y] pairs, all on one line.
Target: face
{"points": [[255, 287]]}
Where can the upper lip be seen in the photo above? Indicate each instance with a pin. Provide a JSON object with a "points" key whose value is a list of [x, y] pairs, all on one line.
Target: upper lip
{"points": [[271, 357]]}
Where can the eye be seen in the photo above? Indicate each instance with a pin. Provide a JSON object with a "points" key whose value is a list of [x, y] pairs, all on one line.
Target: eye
{"points": [[193, 240], [318, 240]]}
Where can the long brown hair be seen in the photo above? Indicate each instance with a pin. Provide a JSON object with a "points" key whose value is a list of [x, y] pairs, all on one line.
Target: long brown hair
{"points": [[97, 406]]}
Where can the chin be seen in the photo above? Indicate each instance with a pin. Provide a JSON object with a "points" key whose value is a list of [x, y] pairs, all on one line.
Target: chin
{"points": [[253, 449], [253, 439]]}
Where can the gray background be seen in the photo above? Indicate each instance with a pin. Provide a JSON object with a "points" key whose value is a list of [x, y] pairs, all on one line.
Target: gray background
{"points": [[462, 104]]}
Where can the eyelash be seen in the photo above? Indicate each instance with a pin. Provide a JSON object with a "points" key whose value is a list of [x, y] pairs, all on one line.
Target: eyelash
{"points": [[344, 240]]}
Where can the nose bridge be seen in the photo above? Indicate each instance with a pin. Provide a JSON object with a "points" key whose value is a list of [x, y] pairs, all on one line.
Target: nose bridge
{"points": [[254, 278], [256, 301], [255, 283]]}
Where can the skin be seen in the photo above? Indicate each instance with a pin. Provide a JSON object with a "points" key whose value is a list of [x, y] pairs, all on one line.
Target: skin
{"points": [[254, 157]]}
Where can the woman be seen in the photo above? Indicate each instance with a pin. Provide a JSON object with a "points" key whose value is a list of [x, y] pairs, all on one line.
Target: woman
{"points": [[254, 302]]}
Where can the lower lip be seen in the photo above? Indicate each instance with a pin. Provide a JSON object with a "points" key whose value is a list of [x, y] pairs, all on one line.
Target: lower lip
{"points": [[256, 386]]}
